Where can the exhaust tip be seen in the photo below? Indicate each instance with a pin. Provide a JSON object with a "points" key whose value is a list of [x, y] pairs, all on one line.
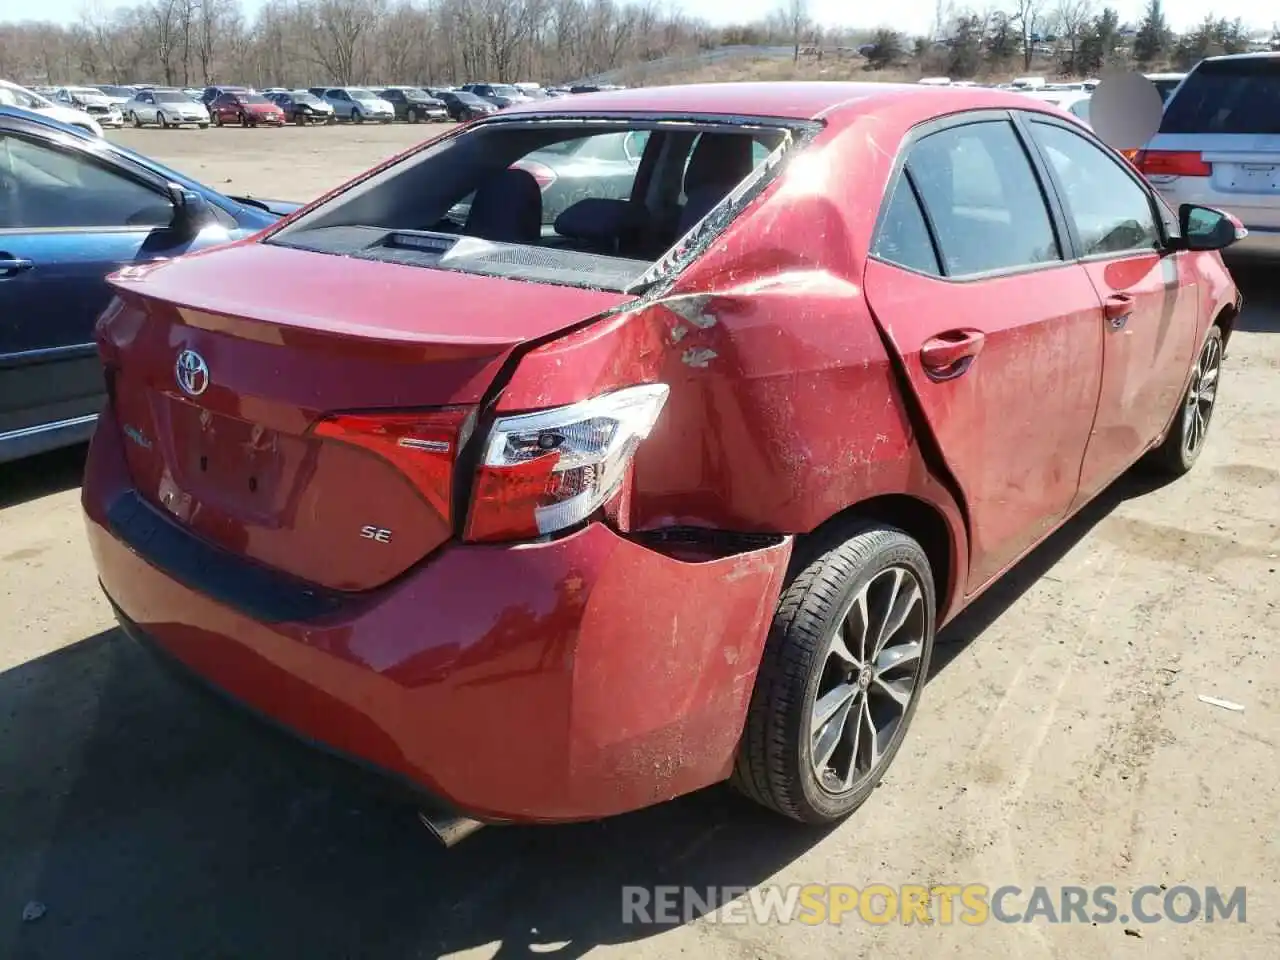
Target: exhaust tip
{"points": [[449, 830]]}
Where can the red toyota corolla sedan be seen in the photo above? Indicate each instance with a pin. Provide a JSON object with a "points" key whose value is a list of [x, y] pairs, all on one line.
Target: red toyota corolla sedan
{"points": [[555, 521]]}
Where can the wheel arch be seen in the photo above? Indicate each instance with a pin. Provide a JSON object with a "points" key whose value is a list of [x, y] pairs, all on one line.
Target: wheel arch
{"points": [[1225, 320], [937, 527]]}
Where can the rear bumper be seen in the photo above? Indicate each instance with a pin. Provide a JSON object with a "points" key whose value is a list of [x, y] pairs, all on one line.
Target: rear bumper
{"points": [[558, 681]]}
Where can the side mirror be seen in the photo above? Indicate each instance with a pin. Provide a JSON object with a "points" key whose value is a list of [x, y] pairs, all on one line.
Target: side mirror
{"points": [[1204, 228], [191, 211]]}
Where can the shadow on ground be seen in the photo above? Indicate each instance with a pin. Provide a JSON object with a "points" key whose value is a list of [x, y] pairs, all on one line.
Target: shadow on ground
{"points": [[34, 477], [1256, 279], [155, 823]]}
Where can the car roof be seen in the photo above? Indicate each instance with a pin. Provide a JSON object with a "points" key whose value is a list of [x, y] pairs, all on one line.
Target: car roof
{"points": [[790, 100], [1260, 55]]}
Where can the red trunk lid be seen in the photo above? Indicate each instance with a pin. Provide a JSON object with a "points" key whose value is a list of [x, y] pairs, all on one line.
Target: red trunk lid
{"points": [[284, 338]]}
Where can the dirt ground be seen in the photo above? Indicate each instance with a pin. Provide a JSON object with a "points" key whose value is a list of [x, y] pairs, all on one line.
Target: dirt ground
{"points": [[1061, 740]]}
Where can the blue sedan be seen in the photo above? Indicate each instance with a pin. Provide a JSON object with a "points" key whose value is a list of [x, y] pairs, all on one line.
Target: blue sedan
{"points": [[73, 209]]}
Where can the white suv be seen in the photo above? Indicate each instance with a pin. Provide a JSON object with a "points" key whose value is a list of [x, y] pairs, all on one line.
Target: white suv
{"points": [[1219, 144]]}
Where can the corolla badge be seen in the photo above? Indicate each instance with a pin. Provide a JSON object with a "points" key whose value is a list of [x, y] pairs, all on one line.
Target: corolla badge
{"points": [[192, 373]]}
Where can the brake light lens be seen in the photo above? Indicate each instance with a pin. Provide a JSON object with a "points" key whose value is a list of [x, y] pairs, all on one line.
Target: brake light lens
{"points": [[540, 172], [1171, 163], [422, 446], [546, 471]]}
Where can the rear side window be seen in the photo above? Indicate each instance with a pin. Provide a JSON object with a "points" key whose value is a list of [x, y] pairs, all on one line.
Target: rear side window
{"points": [[904, 236], [1227, 96], [983, 199]]}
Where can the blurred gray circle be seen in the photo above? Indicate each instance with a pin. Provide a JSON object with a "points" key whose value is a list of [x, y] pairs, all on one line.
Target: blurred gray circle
{"points": [[1125, 110]]}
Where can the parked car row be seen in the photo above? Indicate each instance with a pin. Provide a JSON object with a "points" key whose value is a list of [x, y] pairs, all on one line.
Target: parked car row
{"points": [[115, 105], [13, 95]]}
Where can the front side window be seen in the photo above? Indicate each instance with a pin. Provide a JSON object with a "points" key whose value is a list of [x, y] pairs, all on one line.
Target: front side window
{"points": [[1111, 212], [983, 198], [50, 188]]}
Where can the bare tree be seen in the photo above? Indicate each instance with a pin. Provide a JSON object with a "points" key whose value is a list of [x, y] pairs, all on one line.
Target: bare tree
{"points": [[796, 14], [1071, 18], [1028, 15]]}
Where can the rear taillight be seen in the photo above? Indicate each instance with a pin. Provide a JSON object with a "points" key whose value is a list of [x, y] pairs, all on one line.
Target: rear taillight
{"points": [[1171, 163], [540, 172], [422, 446], [542, 472]]}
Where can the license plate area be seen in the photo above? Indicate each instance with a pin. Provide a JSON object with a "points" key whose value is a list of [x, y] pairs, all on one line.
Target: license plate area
{"points": [[1247, 177], [228, 461]]}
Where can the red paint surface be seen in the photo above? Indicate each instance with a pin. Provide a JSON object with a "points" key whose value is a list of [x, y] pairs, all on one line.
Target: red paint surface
{"points": [[591, 674], [514, 681], [230, 110]]}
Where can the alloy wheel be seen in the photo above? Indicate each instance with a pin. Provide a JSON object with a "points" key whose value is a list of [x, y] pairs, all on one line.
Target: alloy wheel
{"points": [[869, 679], [1201, 396]]}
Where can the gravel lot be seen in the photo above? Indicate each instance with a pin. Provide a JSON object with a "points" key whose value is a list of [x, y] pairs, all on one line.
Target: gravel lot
{"points": [[1060, 742]]}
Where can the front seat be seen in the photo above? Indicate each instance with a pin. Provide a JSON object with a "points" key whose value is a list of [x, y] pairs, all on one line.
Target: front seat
{"points": [[720, 161], [507, 208]]}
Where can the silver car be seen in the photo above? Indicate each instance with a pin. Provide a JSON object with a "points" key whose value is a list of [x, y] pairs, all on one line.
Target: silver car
{"points": [[93, 102], [167, 108], [358, 105], [1219, 144]]}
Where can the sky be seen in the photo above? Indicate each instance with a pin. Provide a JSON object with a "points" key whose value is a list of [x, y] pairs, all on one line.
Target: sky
{"points": [[909, 16]]}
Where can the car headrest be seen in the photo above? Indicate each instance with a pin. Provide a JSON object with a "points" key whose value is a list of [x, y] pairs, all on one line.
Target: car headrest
{"points": [[719, 159], [600, 220], [507, 208]]}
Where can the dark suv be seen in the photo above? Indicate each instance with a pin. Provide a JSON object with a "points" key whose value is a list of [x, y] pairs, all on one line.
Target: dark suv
{"points": [[414, 104]]}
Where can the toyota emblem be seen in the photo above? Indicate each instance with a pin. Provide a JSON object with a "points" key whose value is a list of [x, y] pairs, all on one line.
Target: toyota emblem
{"points": [[192, 373]]}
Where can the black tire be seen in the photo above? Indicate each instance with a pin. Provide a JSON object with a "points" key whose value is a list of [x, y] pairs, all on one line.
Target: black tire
{"points": [[164, 123], [204, 126], [774, 766], [1184, 443], [357, 116], [300, 118], [411, 115], [217, 119], [135, 119]]}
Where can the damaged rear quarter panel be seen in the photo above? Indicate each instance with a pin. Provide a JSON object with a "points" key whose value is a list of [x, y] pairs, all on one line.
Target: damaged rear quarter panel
{"points": [[784, 407]]}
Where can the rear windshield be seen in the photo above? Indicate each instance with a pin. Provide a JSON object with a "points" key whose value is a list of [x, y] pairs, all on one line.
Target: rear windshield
{"points": [[252, 98], [116, 91], [1227, 96], [516, 199], [170, 96]]}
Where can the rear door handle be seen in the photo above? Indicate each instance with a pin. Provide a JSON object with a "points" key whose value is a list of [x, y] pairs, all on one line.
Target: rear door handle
{"points": [[11, 266], [950, 354], [1118, 308]]}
